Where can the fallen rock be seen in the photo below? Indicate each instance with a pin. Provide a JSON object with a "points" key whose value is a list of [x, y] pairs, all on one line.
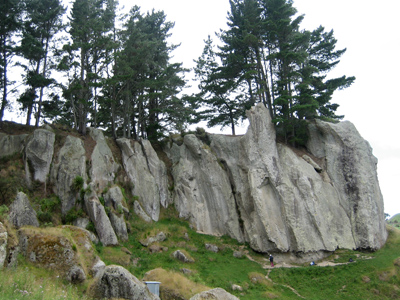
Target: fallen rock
{"points": [[182, 257], [76, 275], [236, 287], [238, 254], [22, 213], [215, 294], [212, 248], [117, 282], [160, 237], [98, 268]]}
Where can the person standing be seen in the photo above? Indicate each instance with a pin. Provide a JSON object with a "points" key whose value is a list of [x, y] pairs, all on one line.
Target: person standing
{"points": [[271, 259]]}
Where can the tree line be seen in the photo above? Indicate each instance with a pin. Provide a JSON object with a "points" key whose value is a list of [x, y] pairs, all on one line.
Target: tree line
{"points": [[96, 66]]}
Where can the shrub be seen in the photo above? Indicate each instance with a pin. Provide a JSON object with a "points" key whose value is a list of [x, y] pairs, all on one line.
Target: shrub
{"points": [[77, 184], [73, 214]]}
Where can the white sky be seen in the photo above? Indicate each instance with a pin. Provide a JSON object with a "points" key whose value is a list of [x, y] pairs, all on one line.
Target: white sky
{"points": [[370, 32]]}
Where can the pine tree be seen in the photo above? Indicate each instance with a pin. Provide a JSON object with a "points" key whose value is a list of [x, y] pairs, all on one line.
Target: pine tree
{"points": [[43, 20], [10, 23]]}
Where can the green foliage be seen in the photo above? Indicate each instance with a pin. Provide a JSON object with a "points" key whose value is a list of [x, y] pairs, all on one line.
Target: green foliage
{"points": [[91, 227], [3, 211], [77, 183], [73, 214]]}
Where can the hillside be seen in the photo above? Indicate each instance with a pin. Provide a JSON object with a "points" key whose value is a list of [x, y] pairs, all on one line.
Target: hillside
{"points": [[203, 211]]}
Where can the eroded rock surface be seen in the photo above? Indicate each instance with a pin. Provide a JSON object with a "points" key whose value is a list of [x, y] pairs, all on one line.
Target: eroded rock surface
{"points": [[39, 154], [116, 282], [255, 189], [215, 294], [22, 213]]}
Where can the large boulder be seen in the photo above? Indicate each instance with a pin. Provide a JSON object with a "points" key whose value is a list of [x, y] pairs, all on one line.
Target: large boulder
{"points": [[139, 169], [67, 166], [116, 282], [59, 249], [10, 144], [22, 213], [103, 167], [100, 219], [39, 155], [214, 294]]}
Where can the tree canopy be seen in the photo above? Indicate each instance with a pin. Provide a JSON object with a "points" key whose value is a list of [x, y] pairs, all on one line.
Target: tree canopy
{"points": [[90, 65]]}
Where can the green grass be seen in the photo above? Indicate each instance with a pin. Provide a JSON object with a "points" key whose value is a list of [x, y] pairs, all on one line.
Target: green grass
{"points": [[372, 275], [376, 278], [33, 284]]}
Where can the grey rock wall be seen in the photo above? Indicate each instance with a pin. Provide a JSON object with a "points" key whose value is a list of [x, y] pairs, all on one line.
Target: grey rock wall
{"points": [[277, 199]]}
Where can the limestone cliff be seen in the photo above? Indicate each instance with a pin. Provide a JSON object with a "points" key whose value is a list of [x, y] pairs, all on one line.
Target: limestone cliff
{"points": [[249, 187], [277, 199]]}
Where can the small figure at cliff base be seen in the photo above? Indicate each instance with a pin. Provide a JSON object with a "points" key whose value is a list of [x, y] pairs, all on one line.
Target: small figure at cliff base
{"points": [[271, 259]]}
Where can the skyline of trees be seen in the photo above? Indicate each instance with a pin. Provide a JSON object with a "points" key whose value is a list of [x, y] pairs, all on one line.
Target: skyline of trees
{"points": [[104, 69]]}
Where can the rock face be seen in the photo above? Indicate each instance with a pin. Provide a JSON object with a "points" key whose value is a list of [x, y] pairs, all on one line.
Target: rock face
{"points": [[100, 219], [69, 163], [262, 192], [22, 213], [3, 245], [215, 294], [203, 192], [144, 170], [299, 202], [103, 166], [116, 282], [10, 144], [39, 154]]}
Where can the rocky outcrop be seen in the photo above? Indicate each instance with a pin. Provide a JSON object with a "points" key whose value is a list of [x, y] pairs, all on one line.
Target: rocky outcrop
{"points": [[10, 144], [22, 213], [277, 199], [38, 155], [217, 294], [57, 249], [119, 226], [143, 169], [69, 163], [100, 219], [103, 168], [203, 192], [352, 169], [116, 282], [114, 198]]}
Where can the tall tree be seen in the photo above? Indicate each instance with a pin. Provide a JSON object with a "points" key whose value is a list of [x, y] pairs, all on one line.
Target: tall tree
{"points": [[10, 12], [90, 21], [221, 104], [43, 20]]}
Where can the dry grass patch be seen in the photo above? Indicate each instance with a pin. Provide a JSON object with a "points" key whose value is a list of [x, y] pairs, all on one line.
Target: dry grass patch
{"points": [[174, 284]]}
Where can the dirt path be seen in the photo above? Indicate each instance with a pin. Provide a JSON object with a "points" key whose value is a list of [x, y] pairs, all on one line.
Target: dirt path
{"points": [[284, 285]]}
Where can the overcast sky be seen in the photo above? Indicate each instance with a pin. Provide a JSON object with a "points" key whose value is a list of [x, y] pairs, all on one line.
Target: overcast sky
{"points": [[370, 32]]}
